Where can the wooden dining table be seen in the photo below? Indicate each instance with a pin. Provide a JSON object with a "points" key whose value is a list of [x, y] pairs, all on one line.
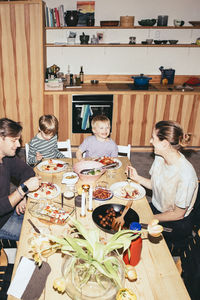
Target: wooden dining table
{"points": [[157, 275]]}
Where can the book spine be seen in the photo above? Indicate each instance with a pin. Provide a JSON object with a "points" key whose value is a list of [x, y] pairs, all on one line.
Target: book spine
{"points": [[47, 16], [57, 17]]}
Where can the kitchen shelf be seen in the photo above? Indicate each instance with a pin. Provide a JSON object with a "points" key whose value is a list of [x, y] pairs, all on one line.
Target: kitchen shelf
{"points": [[122, 45], [118, 27]]}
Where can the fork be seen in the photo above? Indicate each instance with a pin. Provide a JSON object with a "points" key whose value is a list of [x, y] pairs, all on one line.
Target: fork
{"points": [[119, 221]]}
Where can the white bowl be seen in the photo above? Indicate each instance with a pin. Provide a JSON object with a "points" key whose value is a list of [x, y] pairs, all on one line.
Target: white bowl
{"points": [[67, 180]]}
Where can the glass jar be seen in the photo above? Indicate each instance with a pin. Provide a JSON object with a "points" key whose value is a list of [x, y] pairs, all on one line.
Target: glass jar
{"points": [[98, 286]]}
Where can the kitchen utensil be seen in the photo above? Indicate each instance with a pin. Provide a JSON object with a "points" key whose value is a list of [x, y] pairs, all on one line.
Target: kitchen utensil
{"points": [[71, 17], [178, 23], [86, 171], [162, 21], [87, 164], [34, 227], [147, 22], [167, 73], [119, 221], [62, 199], [166, 229], [141, 80], [84, 38], [127, 21], [102, 211]]}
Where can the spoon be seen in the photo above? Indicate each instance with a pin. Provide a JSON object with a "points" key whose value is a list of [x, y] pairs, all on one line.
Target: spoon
{"points": [[119, 221]]}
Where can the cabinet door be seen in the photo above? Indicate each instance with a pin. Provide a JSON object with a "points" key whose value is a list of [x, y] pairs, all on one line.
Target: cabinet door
{"points": [[183, 108], [21, 69], [133, 119]]}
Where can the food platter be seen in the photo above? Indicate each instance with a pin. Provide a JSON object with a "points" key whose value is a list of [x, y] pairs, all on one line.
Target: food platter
{"points": [[52, 166], [108, 160], [131, 216], [128, 191], [102, 194], [47, 190], [51, 212]]}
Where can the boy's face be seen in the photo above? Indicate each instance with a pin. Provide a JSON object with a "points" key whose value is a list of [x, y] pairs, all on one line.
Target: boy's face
{"points": [[45, 136], [101, 129]]}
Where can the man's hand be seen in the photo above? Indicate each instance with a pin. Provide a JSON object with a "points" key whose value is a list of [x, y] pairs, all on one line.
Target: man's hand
{"points": [[33, 183], [21, 207]]}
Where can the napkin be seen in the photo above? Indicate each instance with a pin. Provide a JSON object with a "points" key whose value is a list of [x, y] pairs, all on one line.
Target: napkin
{"points": [[29, 280]]}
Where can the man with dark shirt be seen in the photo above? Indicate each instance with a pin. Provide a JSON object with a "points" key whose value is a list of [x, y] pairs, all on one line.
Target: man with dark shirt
{"points": [[12, 206]]}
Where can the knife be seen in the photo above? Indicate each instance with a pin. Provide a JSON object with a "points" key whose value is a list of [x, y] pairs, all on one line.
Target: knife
{"points": [[34, 227], [166, 229]]}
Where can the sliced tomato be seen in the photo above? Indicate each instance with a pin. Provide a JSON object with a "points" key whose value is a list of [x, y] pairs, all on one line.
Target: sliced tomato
{"points": [[59, 165]]}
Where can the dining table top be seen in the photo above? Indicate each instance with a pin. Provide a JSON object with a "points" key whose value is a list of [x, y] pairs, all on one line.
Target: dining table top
{"points": [[157, 275]]}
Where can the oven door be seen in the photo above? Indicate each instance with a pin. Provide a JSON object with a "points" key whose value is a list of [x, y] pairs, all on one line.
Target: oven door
{"points": [[85, 107]]}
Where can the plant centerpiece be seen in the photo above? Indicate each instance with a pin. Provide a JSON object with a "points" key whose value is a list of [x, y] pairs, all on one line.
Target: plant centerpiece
{"points": [[93, 269]]}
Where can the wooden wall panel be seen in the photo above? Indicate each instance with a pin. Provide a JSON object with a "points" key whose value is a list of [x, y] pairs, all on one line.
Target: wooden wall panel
{"points": [[21, 70]]}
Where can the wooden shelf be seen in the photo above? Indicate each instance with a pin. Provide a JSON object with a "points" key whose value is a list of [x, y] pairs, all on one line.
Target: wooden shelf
{"points": [[122, 45], [118, 27]]}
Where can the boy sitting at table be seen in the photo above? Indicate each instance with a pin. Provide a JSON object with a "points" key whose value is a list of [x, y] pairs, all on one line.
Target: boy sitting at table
{"points": [[99, 144], [44, 144]]}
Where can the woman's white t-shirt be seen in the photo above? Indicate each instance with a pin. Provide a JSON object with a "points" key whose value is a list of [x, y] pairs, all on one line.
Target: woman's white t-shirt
{"points": [[175, 184]]}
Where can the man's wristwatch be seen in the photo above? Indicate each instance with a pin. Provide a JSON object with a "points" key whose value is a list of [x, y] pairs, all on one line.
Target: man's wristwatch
{"points": [[24, 188]]}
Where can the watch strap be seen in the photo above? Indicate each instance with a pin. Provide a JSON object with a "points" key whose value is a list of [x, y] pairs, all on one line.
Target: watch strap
{"points": [[24, 188]]}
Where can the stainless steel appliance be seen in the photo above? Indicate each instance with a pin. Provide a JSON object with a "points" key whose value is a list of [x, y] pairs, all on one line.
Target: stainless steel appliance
{"points": [[85, 107]]}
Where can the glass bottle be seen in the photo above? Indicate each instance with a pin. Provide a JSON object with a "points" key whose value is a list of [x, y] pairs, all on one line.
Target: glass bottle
{"points": [[82, 75]]}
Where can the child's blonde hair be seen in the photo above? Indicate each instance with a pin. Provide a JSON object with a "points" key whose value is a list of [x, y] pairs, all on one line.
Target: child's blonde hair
{"points": [[99, 118], [48, 124]]}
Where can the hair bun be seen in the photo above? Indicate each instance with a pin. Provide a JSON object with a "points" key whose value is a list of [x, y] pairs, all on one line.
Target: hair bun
{"points": [[186, 139]]}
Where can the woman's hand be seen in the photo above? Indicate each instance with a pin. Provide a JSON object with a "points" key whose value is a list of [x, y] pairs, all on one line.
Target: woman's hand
{"points": [[21, 207], [133, 174], [39, 156]]}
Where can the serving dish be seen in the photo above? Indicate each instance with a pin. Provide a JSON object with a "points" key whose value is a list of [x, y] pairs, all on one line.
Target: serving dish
{"points": [[195, 23], [88, 164], [147, 22], [47, 190], [70, 178], [128, 191], [51, 212], [109, 23], [52, 166], [103, 210], [108, 160], [102, 194]]}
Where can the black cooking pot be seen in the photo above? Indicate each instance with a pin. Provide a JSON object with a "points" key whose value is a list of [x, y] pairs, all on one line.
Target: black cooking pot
{"points": [[141, 80]]}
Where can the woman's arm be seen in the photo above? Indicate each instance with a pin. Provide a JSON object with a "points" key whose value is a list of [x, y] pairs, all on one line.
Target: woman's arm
{"points": [[140, 179], [172, 215]]}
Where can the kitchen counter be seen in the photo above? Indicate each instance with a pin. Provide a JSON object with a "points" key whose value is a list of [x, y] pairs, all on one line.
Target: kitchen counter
{"points": [[122, 88]]}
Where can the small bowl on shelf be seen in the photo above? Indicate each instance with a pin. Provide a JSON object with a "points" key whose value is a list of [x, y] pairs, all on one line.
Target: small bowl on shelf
{"points": [[147, 22], [173, 42], [144, 42], [94, 81], [164, 42], [157, 42], [149, 41]]}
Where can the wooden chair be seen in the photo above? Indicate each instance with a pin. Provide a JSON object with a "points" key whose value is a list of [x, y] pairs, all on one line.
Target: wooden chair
{"points": [[124, 151], [65, 148]]}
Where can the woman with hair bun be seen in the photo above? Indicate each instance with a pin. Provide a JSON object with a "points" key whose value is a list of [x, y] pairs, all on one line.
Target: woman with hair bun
{"points": [[173, 182]]}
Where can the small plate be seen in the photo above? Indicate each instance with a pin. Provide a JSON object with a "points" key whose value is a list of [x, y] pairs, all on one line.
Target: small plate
{"points": [[52, 166], [48, 193], [101, 191], [131, 216], [119, 163], [116, 188]]}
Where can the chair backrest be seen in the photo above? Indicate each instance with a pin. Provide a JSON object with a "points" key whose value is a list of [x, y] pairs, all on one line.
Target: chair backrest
{"points": [[65, 148], [26, 151], [124, 150]]}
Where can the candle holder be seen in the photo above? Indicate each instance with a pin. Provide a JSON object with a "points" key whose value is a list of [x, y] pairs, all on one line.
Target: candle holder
{"points": [[86, 187]]}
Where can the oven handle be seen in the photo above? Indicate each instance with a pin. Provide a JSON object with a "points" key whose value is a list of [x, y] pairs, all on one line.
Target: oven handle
{"points": [[91, 105]]}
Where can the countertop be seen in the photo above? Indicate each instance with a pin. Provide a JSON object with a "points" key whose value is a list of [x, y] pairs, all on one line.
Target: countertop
{"points": [[122, 88]]}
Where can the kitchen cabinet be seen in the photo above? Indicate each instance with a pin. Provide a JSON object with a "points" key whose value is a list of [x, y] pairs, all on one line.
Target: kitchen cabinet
{"points": [[134, 115], [123, 44]]}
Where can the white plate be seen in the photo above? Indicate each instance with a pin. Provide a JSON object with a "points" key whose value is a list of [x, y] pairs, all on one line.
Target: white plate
{"points": [[115, 160], [116, 188], [41, 166], [41, 195]]}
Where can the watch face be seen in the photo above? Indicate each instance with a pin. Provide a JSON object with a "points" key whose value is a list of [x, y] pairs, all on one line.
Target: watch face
{"points": [[24, 188]]}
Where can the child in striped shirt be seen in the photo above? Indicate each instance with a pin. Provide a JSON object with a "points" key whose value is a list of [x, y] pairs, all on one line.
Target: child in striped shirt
{"points": [[44, 144]]}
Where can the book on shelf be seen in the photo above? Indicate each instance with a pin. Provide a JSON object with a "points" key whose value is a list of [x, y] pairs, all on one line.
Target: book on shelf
{"points": [[54, 17]]}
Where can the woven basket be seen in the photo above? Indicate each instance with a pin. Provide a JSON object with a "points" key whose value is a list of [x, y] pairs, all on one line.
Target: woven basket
{"points": [[127, 21]]}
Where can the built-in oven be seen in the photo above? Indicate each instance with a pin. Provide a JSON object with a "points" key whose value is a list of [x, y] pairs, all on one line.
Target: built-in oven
{"points": [[85, 107]]}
